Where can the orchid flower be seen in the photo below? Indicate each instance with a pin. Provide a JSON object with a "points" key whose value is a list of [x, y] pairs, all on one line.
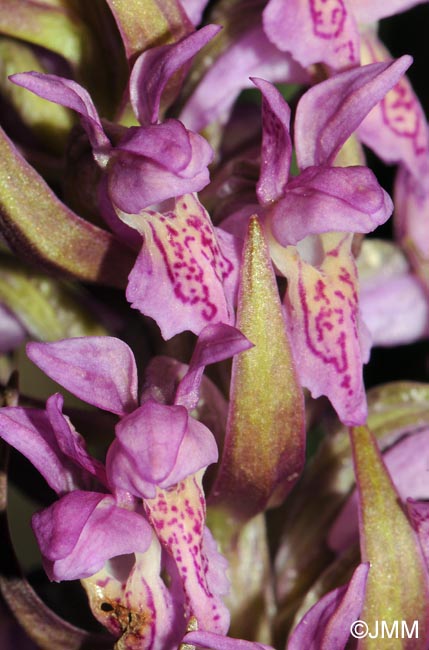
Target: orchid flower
{"points": [[312, 217], [316, 31], [182, 252], [158, 458]]}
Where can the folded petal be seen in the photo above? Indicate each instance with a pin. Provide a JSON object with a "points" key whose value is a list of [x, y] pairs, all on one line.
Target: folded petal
{"points": [[314, 31], [215, 343], [276, 149], [248, 55], [154, 68], [322, 317], [326, 626], [155, 163], [99, 370], [82, 530], [396, 128], [332, 110], [69, 94], [327, 199], [151, 436], [30, 432], [181, 254], [158, 445], [70, 442]]}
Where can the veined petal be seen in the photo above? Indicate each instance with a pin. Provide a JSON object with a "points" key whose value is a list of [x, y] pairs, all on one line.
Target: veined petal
{"points": [[326, 626], [330, 112], [180, 253], [154, 68], [396, 128], [30, 432], [276, 150], [328, 199], [81, 531], [155, 163], [178, 517], [99, 369], [322, 317], [314, 31], [69, 94]]}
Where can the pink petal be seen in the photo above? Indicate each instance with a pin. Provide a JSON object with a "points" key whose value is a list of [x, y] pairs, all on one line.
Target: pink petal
{"points": [[314, 31], [396, 128], [178, 518], [69, 441], [215, 343], [69, 94], [158, 445], [326, 626], [154, 68], [99, 370], [30, 432], [396, 310], [181, 254], [331, 111], [322, 318], [276, 150], [370, 11], [82, 530], [249, 55], [155, 163], [328, 199]]}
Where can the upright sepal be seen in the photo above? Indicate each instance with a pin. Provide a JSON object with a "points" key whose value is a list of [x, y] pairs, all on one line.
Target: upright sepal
{"points": [[264, 446]]}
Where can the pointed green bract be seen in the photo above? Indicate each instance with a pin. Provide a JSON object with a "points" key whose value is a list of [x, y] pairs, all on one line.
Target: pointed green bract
{"points": [[50, 25], [150, 23], [265, 441], [42, 229], [48, 308], [397, 586]]}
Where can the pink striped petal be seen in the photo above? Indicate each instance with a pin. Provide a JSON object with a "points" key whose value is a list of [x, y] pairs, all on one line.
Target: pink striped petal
{"points": [[181, 255], [314, 31], [322, 317]]}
